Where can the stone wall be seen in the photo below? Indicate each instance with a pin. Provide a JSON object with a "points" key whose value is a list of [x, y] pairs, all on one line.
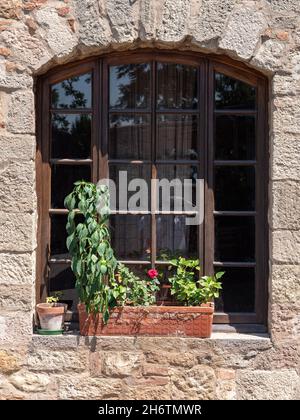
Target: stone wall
{"points": [[36, 35]]}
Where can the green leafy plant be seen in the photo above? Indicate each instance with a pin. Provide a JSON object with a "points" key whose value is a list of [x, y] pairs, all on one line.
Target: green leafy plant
{"points": [[54, 298], [134, 291], [188, 288], [88, 241]]}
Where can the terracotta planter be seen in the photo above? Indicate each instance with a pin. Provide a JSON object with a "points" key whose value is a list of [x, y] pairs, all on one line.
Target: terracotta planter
{"points": [[185, 321], [51, 316]]}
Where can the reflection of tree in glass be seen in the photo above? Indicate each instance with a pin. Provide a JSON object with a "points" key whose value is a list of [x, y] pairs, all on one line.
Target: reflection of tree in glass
{"points": [[71, 135], [67, 89], [232, 93], [133, 86], [177, 86]]}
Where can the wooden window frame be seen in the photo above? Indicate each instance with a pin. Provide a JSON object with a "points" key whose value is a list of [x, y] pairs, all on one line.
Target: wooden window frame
{"points": [[207, 64]]}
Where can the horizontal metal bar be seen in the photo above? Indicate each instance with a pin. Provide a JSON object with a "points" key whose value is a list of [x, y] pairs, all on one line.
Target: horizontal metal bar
{"points": [[129, 162], [71, 111], [234, 213], [235, 162], [158, 111], [234, 264], [135, 262], [71, 161], [59, 261], [178, 162], [157, 212], [129, 111], [58, 211], [235, 111]]}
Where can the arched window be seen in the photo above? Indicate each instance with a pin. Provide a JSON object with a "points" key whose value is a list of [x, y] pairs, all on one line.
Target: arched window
{"points": [[160, 115]]}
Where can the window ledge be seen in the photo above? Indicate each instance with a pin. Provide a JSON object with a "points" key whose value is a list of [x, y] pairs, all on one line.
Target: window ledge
{"points": [[72, 340]]}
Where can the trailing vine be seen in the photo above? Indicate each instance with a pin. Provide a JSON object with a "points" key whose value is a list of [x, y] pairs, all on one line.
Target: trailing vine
{"points": [[88, 241]]}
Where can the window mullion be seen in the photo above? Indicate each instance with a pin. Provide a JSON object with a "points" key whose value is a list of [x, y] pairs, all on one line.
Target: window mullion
{"points": [[153, 196]]}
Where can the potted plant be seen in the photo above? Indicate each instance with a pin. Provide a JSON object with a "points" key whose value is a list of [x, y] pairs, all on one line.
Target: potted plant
{"points": [[113, 300], [51, 315]]}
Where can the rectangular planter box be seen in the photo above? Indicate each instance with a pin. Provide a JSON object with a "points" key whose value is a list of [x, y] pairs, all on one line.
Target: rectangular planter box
{"points": [[184, 321]]}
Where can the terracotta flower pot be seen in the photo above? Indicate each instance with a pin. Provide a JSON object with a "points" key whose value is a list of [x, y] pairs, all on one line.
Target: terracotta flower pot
{"points": [[185, 321], [51, 315]]}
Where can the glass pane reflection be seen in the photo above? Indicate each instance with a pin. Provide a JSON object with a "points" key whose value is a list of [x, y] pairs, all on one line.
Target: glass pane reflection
{"points": [[234, 137], [176, 86], [177, 137], [234, 238], [71, 136], [233, 94], [129, 86], [129, 137], [131, 236], [71, 93], [238, 290], [175, 238]]}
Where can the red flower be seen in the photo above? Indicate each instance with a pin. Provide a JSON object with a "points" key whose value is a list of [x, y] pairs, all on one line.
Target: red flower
{"points": [[152, 273]]}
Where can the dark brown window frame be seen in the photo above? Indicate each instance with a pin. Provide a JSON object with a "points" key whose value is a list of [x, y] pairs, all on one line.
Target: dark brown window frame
{"points": [[208, 64]]}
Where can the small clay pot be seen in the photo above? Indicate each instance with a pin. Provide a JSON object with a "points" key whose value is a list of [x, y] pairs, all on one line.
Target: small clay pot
{"points": [[51, 315]]}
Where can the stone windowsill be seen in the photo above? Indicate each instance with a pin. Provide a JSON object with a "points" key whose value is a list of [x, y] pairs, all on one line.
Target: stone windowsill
{"points": [[74, 339]]}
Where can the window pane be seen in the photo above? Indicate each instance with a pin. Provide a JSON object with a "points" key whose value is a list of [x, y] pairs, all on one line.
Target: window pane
{"points": [[234, 137], [177, 137], [58, 236], [62, 280], [164, 296], [238, 291], [131, 236], [234, 238], [61, 277], [130, 137], [71, 136], [175, 238], [176, 86], [72, 93], [133, 185], [173, 194], [129, 86], [62, 183], [233, 94], [235, 188]]}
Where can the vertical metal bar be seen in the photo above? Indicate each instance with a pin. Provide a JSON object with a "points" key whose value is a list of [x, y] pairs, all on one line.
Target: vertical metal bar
{"points": [[153, 165]]}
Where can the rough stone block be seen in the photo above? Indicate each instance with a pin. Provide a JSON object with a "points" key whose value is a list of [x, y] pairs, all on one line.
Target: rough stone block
{"points": [[285, 287], [57, 361], [286, 247], [20, 227], [286, 156], [17, 268], [9, 362], [196, 383], [94, 29], [263, 385], [121, 364], [286, 205], [174, 21], [58, 35], [17, 147], [244, 27], [20, 117], [16, 297], [17, 181], [94, 388], [30, 382]]}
